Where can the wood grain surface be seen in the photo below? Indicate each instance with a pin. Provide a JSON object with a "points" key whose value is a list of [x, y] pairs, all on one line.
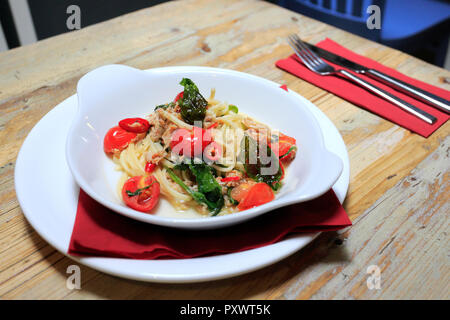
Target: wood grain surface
{"points": [[399, 185]]}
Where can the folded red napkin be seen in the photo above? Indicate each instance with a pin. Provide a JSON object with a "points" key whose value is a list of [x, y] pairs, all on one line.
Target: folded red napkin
{"points": [[363, 98], [100, 232]]}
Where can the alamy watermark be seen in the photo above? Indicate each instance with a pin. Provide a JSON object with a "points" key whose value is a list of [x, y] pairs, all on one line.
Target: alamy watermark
{"points": [[374, 20], [374, 280], [74, 280], [73, 21], [256, 147]]}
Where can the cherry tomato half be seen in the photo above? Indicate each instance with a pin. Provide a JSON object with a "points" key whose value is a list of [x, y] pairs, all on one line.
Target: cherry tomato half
{"points": [[282, 170], [212, 152], [190, 143], [285, 149], [240, 192], [283, 137], [141, 193], [259, 194], [136, 125], [117, 139]]}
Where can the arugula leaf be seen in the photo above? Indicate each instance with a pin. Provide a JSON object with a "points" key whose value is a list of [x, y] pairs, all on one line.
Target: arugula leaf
{"points": [[208, 185], [181, 166], [255, 168], [192, 104], [201, 198]]}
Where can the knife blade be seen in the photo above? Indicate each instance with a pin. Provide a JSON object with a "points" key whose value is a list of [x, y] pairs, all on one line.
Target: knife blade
{"points": [[417, 93]]}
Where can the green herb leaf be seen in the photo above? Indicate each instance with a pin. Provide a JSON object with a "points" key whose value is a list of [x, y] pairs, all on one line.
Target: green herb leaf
{"points": [[181, 166], [233, 108], [214, 207], [138, 191], [251, 157], [193, 105], [289, 151], [208, 185]]}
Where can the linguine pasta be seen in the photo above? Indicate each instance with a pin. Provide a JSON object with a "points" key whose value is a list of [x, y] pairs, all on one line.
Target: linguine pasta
{"points": [[186, 179]]}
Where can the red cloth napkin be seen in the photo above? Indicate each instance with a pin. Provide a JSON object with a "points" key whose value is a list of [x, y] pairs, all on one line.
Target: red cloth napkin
{"points": [[363, 98], [100, 232]]}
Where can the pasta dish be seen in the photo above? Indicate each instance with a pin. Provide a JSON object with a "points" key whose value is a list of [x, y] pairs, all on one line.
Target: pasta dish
{"points": [[198, 153]]}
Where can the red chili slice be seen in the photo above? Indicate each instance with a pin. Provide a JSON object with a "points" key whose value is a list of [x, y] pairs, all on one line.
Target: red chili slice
{"points": [[141, 193], [215, 124], [136, 125], [228, 179], [259, 194], [150, 167], [117, 139], [179, 96]]}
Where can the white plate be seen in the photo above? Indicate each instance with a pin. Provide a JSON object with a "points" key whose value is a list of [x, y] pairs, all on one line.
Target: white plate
{"points": [[48, 196], [113, 92]]}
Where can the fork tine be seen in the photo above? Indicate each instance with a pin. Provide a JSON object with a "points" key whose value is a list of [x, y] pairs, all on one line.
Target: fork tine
{"points": [[310, 53], [302, 49], [297, 50], [306, 60], [303, 45], [319, 66]]}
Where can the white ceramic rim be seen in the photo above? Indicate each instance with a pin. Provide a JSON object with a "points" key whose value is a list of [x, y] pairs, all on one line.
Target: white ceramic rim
{"points": [[201, 223], [232, 264]]}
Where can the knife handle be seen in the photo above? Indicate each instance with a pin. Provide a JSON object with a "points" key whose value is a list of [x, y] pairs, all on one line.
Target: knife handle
{"points": [[419, 113], [411, 90]]}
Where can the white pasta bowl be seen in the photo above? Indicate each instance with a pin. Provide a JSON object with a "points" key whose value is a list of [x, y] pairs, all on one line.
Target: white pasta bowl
{"points": [[113, 92]]}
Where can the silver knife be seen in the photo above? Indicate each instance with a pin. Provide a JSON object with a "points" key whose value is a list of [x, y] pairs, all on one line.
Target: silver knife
{"points": [[422, 95]]}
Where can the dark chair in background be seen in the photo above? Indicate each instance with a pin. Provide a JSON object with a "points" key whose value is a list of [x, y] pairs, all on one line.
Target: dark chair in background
{"points": [[50, 16], [349, 15], [418, 27], [26, 21]]}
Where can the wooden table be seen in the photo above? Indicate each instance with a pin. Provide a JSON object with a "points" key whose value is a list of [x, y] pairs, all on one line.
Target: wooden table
{"points": [[399, 184]]}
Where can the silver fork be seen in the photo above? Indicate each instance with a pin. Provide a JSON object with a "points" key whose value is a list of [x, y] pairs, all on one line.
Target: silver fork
{"points": [[319, 66]]}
